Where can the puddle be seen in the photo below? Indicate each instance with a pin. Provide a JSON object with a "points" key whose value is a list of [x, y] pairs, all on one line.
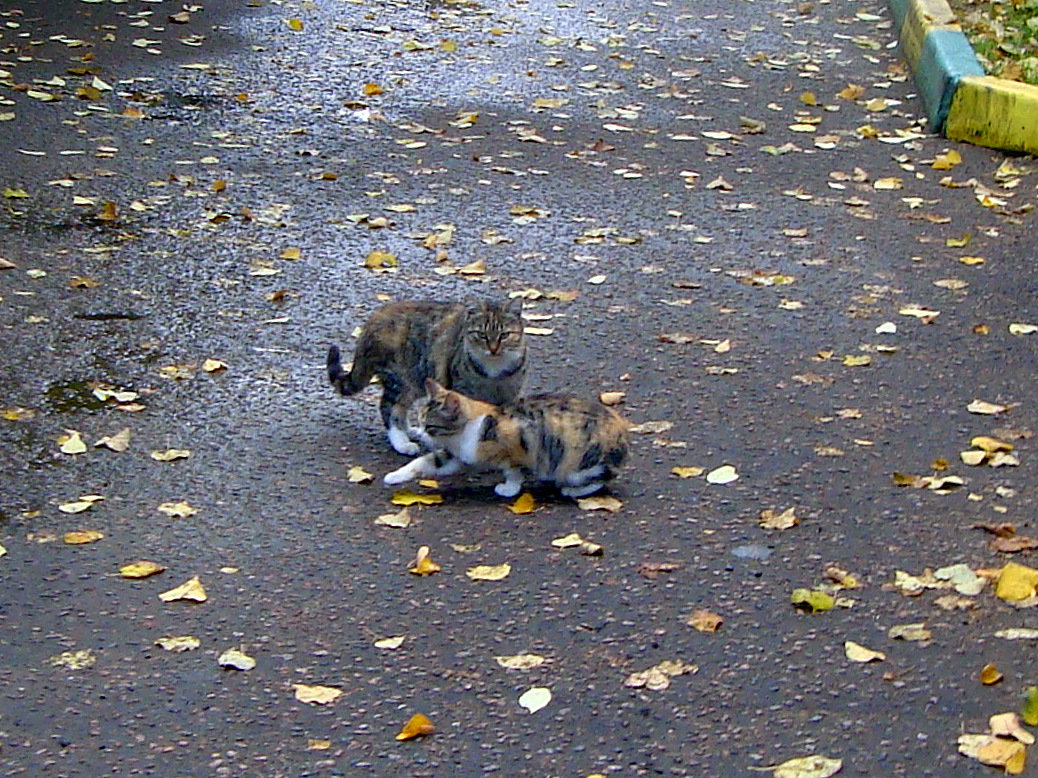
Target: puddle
{"points": [[73, 396]]}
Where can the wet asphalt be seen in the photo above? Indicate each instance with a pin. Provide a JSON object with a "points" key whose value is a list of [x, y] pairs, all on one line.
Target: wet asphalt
{"points": [[688, 170]]}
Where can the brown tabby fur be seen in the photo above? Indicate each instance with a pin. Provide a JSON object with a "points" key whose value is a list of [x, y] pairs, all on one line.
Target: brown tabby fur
{"points": [[477, 348], [561, 439]]}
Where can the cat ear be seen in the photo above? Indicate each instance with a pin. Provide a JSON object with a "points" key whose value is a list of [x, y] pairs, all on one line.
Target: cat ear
{"points": [[515, 306], [432, 388]]}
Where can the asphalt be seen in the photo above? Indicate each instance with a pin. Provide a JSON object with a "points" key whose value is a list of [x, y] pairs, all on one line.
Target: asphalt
{"points": [[635, 129]]}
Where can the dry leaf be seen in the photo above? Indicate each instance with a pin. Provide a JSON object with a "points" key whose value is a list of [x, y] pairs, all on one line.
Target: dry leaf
{"points": [[73, 660], [178, 644], [911, 632], [358, 475], [568, 541], [858, 653], [657, 678], [211, 365], [725, 474], [520, 661], [536, 698], [140, 569], [687, 471], [406, 497], [82, 537], [85, 502], [704, 620], [1016, 582], [317, 695], [178, 510], [390, 644], [489, 572], [612, 398], [191, 589], [398, 520], [599, 503], [380, 261], [524, 503], [170, 454], [815, 766], [416, 726], [236, 659], [985, 408], [990, 675], [71, 443], [118, 442], [422, 564], [769, 519]]}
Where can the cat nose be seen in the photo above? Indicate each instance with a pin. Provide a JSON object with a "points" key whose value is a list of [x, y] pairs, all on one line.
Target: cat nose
{"points": [[494, 346]]}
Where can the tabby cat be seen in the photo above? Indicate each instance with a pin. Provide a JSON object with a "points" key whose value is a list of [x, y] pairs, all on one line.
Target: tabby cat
{"points": [[475, 347], [561, 439]]}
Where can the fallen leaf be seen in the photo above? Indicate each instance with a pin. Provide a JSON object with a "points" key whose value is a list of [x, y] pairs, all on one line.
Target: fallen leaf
{"points": [[990, 675], [657, 678], [489, 572], [118, 442], [1023, 329], [815, 766], [704, 620], [612, 398], [524, 503], [191, 589], [859, 653], [985, 408], [651, 570], [687, 471], [812, 600], [911, 632], [769, 519], [211, 365], [1016, 582], [1008, 725], [390, 644], [71, 443], [989, 444], [85, 502], [140, 569], [1029, 710], [358, 475], [380, 261], [422, 564], [73, 660], [317, 695], [536, 698], [170, 454], [650, 427], [416, 726], [568, 541], [178, 644], [407, 497], [520, 661], [236, 659], [398, 520], [318, 744], [599, 503], [1013, 545], [725, 474], [82, 537], [178, 510]]}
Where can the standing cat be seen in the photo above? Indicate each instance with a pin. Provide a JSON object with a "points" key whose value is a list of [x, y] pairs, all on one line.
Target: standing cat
{"points": [[565, 440], [477, 348]]}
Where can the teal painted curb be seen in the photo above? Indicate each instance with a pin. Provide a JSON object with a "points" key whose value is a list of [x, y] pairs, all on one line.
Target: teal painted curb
{"points": [[945, 58]]}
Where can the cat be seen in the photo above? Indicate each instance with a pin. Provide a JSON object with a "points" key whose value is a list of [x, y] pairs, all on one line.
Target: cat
{"points": [[477, 347], [561, 439]]}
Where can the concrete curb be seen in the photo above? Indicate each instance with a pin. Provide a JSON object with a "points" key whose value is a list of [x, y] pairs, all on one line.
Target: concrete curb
{"points": [[962, 102]]}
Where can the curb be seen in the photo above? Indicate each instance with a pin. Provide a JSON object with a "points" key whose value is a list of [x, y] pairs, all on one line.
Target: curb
{"points": [[962, 102]]}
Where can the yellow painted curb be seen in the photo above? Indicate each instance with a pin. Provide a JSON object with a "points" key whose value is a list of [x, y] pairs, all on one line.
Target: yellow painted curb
{"points": [[994, 112]]}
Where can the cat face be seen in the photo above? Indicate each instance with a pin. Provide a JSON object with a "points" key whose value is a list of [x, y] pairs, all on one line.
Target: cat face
{"points": [[494, 333], [438, 416]]}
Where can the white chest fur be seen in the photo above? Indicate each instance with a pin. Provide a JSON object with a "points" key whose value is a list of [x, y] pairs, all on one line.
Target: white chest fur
{"points": [[469, 440]]}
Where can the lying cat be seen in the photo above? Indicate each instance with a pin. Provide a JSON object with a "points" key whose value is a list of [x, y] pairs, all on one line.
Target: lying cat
{"points": [[477, 348], [565, 440]]}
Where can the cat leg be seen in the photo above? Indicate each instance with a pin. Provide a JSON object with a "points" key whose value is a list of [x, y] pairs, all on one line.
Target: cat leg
{"points": [[512, 484], [433, 463], [584, 482], [582, 491], [394, 414]]}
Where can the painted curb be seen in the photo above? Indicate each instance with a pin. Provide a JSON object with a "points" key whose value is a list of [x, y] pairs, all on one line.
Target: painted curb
{"points": [[961, 101]]}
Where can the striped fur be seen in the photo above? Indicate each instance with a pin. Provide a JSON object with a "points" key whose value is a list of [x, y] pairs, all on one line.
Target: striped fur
{"points": [[477, 348], [575, 444]]}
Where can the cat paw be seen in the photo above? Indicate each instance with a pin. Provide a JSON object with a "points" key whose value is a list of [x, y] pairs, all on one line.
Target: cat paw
{"points": [[399, 476], [508, 488], [402, 444]]}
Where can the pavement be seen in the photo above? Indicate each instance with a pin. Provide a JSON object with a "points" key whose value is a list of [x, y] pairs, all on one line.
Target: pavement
{"points": [[758, 239]]}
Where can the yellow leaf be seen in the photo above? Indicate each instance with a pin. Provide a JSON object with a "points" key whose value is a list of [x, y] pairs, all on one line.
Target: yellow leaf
{"points": [[812, 600], [523, 504], [422, 564], [990, 445], [371, 90], [815, 766], [141, 569], [237, 659], [611, 398], [71, 443], [118, 442], [448, 46], [85, 502], [191, 589], [724, 474], [958, 243], [407, 497], [73, 660], [178, 510], [80, 537], [296, 25], [1016, 582], [416, 726], [489, 572], [211, 365], [358, 475], [317, 695], [990, 675], [770, 519], [687, 471], [892, 182], [178, 644], [17, 413], [291, 253], [704, 620], [854, 360], [520, 661], [390, 644], [973, 458], [947, 161], [3, 551], [318, 744], [808, 98], [858, 653], [170, 454], [972, 261], [599, 503], [1029, 711], [399, 520], [568, 541], [476, 268], [380, 260]]}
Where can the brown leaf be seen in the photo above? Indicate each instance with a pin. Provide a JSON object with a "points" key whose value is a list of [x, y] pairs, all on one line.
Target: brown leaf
{"points": [[652, 570], [704, 620], [1010, 545]]}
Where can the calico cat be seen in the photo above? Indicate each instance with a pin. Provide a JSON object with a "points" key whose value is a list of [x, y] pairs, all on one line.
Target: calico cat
{"points": [[477, 348], [573, 443]]}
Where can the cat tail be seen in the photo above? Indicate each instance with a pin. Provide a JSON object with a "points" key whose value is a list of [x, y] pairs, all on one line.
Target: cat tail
{"points": [[348, 382]]}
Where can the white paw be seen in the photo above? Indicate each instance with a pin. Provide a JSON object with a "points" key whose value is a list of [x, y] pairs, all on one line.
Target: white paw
{"points": [[401, 443], [508, 488], [399, 476]]}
